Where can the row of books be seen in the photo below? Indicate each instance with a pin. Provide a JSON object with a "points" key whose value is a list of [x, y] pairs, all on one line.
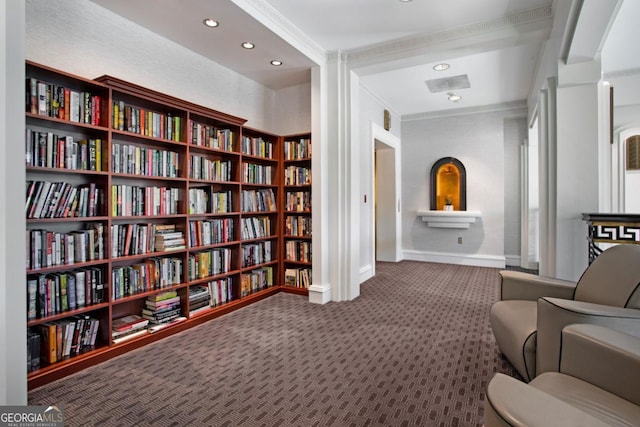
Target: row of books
{"points": [[298, 277], [297, 250], [51, 100], [209, 263], [298, 201], [296, 225], [256, 146], [55, 341], [255, 280], [257, 174], [46, 199], [51, 248], [136, 239], [297, 175], [162, 308], [256, 227], [256, 253], [201, 203], [220, 291], [54, 293], [152, 273], [133, 200], [49, 150], [203, 168], [295, 150], [143, 122], [211, 232], [136, 160], [208, 136], [262, 200], [199, 299]]}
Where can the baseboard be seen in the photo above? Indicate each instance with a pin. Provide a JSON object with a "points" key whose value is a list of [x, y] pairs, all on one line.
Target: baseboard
{"points": [[513, 260], [319, 294], [476, 260], [366, 273]]}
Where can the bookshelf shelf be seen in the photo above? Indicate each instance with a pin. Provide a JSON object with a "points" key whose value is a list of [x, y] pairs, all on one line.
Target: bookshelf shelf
{"points": [[148, 171]]}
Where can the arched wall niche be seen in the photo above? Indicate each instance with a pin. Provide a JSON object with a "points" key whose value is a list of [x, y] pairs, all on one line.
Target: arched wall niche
{"points": [[448, 185]]}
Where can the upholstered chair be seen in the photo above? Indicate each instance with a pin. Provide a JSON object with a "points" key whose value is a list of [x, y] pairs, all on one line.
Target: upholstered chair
{"points": [[528, 319], [597, 385]]}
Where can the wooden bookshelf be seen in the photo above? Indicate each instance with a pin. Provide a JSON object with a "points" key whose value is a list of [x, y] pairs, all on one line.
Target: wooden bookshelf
{"points": [[171, 211], [296, 203]]}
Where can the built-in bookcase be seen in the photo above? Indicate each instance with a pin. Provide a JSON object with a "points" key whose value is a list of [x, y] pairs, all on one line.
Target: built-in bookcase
{"points": [[297, 232], [147, 215]]}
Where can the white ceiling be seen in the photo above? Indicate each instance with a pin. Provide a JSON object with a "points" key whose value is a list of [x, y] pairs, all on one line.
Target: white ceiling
{"points": [[405, 39]]}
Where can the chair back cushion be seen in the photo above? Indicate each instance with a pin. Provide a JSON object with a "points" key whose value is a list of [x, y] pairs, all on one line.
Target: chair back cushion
{"points": [[612, 278]]}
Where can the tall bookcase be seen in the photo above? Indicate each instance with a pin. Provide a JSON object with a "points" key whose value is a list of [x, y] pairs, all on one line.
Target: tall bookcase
{"points": [[146, 215], [296, 203]]}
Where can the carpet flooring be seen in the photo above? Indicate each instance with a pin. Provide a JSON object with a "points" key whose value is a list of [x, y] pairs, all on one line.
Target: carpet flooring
{"points": [[415, 349]]}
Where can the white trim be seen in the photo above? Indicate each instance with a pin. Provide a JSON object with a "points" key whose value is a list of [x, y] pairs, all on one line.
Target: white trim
{"points": [[319, 294], [519, 108], [494, 261], [513, 260], [367, 272]]}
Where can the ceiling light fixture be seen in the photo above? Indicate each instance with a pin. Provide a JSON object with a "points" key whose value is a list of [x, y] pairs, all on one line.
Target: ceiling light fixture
{"points": [[248, 45], [453, 97], [276, 63], [441, 67], [210, 22], [405, 1]]}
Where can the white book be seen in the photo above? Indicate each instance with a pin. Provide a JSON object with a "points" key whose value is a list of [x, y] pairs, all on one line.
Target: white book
{"points": [[74, 106]]}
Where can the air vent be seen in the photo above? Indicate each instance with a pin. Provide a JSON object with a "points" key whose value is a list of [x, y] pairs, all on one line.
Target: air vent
{"points": [[448, 83], [633, 152]]}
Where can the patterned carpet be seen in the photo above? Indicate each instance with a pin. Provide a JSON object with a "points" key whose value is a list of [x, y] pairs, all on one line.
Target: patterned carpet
{"points": [[415, 349]]}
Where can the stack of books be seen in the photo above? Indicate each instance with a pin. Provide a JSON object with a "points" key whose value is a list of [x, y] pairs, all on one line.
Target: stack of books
{"points": [[162, 308], [128, 327], [167, 238], [199, 299]]}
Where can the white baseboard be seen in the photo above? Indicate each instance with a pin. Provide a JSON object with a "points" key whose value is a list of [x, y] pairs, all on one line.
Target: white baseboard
{"points": [[476, 260], [366, 273], [319, 294], [513, 260]]}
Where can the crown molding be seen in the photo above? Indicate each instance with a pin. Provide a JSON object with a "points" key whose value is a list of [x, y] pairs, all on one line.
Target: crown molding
{"points": [[268, 16], [526, 21], [633, 72], [516, 108]]}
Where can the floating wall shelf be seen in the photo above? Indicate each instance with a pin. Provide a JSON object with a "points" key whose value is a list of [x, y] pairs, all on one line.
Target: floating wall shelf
{"points": [[449, 219]]}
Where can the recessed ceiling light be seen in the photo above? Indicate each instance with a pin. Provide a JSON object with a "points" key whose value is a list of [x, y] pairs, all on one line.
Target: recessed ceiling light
{"points": [[276, 63], [441, 67], [248, 45], [209, 22], [454, 97], [405, 1]]}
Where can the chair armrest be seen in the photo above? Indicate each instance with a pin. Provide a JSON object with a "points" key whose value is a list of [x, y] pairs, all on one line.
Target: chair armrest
{"points": [[525, 286], [603, 357], [513, 403], [555, 313]]}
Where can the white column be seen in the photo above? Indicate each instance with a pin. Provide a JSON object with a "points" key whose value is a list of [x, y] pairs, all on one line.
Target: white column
{"points": [[579, 135], [13, 311]]}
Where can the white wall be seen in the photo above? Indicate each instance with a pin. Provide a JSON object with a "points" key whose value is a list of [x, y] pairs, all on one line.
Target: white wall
{"points": [[82, 38], [478, 141], [293, 110]]}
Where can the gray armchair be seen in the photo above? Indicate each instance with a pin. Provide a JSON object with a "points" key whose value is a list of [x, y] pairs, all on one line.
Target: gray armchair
{"points": [[597, 385], [528, 319]]}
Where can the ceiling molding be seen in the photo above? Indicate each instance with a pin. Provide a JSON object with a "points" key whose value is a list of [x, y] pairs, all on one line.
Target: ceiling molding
{"points": [[268, 16], [518, 108], [521, 22], [623, 73]]}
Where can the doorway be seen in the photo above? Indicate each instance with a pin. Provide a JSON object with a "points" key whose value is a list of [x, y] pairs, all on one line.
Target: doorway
{"points": [[386, 193]]}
